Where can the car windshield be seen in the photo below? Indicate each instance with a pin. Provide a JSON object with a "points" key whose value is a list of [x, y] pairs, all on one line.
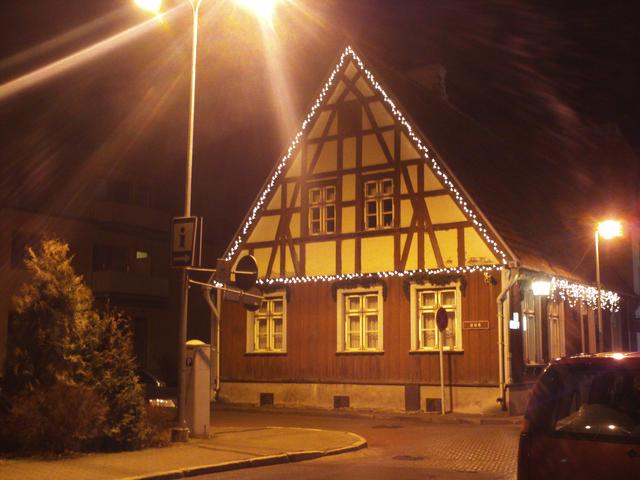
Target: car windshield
{"points": [[598, 401]]}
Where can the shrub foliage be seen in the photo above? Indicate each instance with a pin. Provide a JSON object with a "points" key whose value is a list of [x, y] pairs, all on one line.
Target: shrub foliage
{"points": [[70, 374]]}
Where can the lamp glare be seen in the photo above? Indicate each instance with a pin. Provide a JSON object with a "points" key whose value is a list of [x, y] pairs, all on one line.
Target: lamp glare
{"points": [[610, 229], [541, 287]]}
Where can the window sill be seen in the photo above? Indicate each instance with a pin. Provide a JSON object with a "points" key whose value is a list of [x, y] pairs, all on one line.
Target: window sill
{"points": [[435, 350], [360, 352], [266, 353]]}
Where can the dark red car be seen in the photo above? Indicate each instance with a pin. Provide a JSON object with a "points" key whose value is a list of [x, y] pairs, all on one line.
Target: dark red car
{"points": [[583, 420]]}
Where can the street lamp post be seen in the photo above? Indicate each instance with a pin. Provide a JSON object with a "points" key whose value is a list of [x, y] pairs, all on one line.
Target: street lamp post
{"points": [[607, 229], [264, 10]]}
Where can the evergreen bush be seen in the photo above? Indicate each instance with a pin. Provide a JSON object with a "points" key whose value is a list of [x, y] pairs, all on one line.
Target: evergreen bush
{"points": [[72, 367]]}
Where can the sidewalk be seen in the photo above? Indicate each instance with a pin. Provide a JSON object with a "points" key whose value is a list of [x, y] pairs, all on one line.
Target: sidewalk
{"points": [[226, 449]]}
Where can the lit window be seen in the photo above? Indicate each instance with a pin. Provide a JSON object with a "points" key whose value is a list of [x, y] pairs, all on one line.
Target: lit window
{"points": [[378, 204], [141, 254], [360, 320], [531, 331], [322, 210], [266, 328], [425, 303]]}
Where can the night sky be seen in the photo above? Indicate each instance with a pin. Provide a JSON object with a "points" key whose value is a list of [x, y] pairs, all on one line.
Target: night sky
{"points": [[546, 67]]}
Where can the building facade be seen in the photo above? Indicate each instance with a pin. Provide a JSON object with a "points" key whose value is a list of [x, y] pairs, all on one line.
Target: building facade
{"points": [[362, 233]]}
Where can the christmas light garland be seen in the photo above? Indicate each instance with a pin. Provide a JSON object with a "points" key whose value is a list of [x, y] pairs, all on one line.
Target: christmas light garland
{"points": [[387, 274], [575, 292], [262, 199]]}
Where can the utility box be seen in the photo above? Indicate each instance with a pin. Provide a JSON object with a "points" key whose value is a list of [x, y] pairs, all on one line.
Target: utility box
{"points": [[198, 378]]}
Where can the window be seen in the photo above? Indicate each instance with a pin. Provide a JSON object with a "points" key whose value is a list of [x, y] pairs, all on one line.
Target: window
{"points": [[555, 315], [322, 209], [531, 331], [349, 118], [425, 302], [378, 204], [266, 328], [109, 258], [360, 320]]}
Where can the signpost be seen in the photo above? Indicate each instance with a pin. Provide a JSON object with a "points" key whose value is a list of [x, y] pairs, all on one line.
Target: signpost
{"points": [[442, 320], [183, 241]]}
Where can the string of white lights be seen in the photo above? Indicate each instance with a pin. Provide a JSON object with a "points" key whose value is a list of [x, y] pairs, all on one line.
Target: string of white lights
{"points": [[377, 275], [262, 199], [573, 293]]}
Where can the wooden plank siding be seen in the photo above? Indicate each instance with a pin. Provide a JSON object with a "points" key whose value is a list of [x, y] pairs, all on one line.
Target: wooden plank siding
{"points": [[312, 342]]}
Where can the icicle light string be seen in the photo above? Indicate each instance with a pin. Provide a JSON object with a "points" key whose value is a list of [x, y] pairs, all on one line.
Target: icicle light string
{"points": [[348, 52], [572, 293]]}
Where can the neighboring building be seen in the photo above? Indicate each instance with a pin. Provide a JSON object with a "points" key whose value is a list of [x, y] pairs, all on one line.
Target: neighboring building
{"points": [[118, 236], [380, 213]]}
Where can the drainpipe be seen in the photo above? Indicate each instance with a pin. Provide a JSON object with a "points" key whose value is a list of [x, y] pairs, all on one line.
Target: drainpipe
{"points": [[215, 318], [501, 354]]}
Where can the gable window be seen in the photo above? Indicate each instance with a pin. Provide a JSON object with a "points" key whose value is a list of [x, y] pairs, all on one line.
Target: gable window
{"points": [[531, 328], [266, 327], [426, 300], [378, 204], [322, 209], [555, 315], [360, 320]]}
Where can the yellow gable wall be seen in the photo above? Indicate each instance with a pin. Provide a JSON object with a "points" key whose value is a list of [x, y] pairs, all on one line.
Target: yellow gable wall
{"points": [[372, 153], [442, 209], [381, 114], [321, 258], [407, 150], [262, 256], [336, 93], [429, 256], [348, 248], [476, 251], [295, 166], [377, 254], [348, 187], [413, 179], [265, 229], [412, 259], [364, 88], [348, 219], [290, 269], [448, 243], [328, 159], [431, 182], [276, 200]]}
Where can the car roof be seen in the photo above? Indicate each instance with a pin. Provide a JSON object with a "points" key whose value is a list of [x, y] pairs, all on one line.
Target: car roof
{"points": [[604, 358]]}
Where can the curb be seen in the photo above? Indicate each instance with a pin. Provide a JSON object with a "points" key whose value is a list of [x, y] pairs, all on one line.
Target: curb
{"points": [[264, 461]]}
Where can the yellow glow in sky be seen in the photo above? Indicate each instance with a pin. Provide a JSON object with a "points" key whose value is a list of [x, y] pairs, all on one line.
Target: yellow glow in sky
{"points": [[263, 9], [149, 5]]}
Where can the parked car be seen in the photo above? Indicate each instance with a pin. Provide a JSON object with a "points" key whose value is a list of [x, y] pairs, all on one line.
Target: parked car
{"points": [[583, 420], [156, 391]]}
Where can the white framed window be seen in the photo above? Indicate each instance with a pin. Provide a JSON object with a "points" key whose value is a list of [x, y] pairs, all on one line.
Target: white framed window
{"points": [[555, 316], [531, 328], [360, 320], [267, 327], [378, 204], [425, 302], [322, 209]]}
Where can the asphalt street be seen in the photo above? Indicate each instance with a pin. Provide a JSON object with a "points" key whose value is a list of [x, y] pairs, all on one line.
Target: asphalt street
{"points": [[399, 448]]}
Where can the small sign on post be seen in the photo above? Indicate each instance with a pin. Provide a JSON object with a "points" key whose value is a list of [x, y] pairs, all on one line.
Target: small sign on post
{"points": [[183, 241]]}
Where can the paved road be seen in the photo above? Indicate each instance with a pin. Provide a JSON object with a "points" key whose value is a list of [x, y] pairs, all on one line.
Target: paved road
{"points": [[397, 450]]}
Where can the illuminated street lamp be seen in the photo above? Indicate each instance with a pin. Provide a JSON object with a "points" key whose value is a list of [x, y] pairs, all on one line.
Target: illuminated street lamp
{"points": [[263, 9], [607, 229]]}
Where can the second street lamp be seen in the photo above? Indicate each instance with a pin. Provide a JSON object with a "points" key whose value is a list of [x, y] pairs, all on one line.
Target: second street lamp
{"points": [[607, 229]]}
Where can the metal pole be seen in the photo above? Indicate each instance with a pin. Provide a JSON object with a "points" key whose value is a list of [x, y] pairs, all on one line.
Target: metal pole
{"points": [[600, 343], [184, 300], [440, 332]]}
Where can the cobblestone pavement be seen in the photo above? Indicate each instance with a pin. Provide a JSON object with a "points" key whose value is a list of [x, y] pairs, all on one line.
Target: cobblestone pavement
{"points": [[398, 449]]}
